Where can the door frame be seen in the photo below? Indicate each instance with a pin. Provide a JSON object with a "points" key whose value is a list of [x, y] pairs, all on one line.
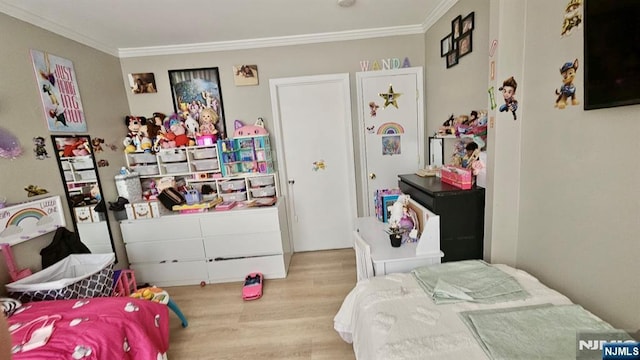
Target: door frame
{"points": [[350, 182], [361, 120]]}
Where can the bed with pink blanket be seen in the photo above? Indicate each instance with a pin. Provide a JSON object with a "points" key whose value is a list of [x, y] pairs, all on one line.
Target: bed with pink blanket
{"points": [[95, 328]]}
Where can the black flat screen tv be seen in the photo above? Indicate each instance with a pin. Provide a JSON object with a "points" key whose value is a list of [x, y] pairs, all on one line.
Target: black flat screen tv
{"points": [[611, 53]]}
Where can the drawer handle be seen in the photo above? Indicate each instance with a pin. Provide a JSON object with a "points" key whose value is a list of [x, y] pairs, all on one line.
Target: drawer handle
{"points": [[174, 261], [163, 262]]}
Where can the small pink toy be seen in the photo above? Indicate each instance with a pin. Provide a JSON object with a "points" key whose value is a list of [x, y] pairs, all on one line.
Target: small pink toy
{"points": [[242, 130], [252, 288]]}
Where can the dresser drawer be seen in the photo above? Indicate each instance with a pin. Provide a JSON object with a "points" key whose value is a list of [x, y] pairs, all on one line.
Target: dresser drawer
{"points": [[171, 274], [252, 244], [272, 267], [165, 228], [165, 250], [259, 220]]}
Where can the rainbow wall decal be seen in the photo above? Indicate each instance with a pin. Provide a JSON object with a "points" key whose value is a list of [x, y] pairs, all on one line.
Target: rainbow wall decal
{"points": [[390, 128], [23, 214]]}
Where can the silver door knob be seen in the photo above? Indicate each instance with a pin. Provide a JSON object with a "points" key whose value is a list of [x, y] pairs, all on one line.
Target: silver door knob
{"points": [[372, 176]]}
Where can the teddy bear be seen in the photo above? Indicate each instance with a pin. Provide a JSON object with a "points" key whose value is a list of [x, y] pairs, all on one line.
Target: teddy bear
{"points": [[208, 120], [131, 141]]}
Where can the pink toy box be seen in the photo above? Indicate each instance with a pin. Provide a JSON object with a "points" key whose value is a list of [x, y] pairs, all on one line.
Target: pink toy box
{"points": [[456, 176]]}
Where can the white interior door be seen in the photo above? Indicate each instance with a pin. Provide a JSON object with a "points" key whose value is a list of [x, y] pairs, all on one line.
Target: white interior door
{"points": [[312, 119], [391, 125]]}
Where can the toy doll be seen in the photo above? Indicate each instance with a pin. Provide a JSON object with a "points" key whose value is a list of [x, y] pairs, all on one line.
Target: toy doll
{"points": [[133, 123], [208, 120]]}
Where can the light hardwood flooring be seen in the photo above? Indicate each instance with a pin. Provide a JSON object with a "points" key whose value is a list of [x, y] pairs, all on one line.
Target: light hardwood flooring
{"points": [[292, 321]]}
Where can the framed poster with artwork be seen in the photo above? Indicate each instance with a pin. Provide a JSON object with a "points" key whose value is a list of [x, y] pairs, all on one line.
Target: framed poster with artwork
{"points": [[58, 88], [195, 89]]}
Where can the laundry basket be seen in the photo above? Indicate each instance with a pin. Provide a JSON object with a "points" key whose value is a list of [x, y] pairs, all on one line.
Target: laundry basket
{"points": [[77, 276]]}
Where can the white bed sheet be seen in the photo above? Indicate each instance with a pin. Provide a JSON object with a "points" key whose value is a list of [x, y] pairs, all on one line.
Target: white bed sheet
{"points": [[391, 317]]}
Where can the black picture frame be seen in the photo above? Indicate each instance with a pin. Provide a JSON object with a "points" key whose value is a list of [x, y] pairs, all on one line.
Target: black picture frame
{"points": [[452, 58], [456, 27], [468, 23], [446, 45], [465, 44], [199, 88]]}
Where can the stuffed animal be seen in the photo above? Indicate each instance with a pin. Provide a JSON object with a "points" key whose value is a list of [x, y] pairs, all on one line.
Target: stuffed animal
{"points": [[397, 210], [193, 128], [133, 123], [208, 120], [177, 135], [242, 130]]}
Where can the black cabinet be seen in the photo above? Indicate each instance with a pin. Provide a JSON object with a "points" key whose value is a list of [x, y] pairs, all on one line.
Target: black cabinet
{"points": [[461, 214]]}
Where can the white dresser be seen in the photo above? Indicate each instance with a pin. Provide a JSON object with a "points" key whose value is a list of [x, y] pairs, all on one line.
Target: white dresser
{"points": [[216, 246]]}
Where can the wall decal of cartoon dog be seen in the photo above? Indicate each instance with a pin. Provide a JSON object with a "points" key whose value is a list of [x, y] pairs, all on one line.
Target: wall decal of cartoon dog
{"points": [[567, 90]]}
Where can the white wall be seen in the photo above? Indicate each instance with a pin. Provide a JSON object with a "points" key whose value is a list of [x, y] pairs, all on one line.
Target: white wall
{"points": [[580, 201], [21, 112]]}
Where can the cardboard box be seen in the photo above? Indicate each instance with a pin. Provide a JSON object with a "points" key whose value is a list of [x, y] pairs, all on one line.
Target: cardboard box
{"points": [[456, 176], [142, 210]]}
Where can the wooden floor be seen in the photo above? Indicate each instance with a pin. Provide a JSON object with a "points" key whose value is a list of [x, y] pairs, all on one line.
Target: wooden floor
{"points": [[292, 321]]}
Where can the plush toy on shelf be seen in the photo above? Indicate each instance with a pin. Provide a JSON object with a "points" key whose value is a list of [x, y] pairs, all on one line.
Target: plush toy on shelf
{"points": [[133, 124], [249, 130], [177, 134]]}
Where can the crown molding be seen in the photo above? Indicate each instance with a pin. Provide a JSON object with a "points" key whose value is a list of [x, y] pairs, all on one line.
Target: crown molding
{"points": [[270, 42], [48, 25], [433, 16]]}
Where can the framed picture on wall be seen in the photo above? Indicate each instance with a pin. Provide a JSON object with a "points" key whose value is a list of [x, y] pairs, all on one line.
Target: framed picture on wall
{"points": [[456, 27], [446, 45], [452, 58], [464, 44], [142, 83], [195, 89], [245, 75], [467, 23]]}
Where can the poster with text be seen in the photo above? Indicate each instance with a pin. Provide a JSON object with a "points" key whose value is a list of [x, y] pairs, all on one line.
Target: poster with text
{"points": [[59, 92]]}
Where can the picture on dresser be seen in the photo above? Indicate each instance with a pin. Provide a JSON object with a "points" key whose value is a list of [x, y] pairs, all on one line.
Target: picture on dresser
{"points": [[196, 89]]}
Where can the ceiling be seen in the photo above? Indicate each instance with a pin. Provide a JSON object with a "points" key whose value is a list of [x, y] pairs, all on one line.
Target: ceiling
{"points": [[152, 27]]}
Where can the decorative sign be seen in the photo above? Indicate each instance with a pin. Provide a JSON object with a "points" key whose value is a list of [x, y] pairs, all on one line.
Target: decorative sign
{"points": [[59, 92], [390, 97], [390, 128], [30, 219], [387, 64]]}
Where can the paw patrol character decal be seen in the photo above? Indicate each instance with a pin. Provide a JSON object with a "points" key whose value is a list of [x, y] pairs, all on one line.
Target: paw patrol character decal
{"points": [[34, 190], [572, 17], [508, 89], [567, 90], [39, 148], [319, 165]]}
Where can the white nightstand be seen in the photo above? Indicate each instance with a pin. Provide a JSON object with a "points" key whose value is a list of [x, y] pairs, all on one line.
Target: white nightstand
{"points": [[387, 259]]}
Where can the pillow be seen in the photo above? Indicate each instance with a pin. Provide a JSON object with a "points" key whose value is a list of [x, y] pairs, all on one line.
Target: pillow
{"points": [[9, 305]]}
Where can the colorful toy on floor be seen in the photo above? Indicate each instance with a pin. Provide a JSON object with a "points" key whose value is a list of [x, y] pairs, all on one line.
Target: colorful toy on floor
{"points": [[252, 288]]}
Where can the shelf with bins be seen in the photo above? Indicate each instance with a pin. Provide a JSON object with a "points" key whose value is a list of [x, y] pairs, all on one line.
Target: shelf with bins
{"points": [[78, 169], [238, 188], [175, 161], [246, 155]]}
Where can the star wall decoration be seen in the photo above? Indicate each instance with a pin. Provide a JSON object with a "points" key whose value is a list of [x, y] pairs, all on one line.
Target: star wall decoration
{"points": [[390, 97]]}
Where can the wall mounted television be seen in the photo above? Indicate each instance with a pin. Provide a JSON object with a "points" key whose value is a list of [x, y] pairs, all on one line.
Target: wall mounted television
{"points": [[611, 53]]}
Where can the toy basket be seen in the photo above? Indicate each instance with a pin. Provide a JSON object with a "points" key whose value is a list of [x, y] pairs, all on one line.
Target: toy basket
{"points": [[456, 176], [77, 276]]}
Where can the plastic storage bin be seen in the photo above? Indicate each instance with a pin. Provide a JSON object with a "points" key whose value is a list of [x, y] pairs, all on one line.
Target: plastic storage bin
{"points": [[77, 276], [207, 153], [203, 165], [146, 169], [86, 175], [231, 185], [263, 191], [176, 168], [173, 156], [143, 158], [261, 181], [234, 196]]}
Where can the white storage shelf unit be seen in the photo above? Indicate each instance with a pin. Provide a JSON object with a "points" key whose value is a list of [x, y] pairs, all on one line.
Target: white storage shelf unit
{"points": [[213, 247], [176, 161]]}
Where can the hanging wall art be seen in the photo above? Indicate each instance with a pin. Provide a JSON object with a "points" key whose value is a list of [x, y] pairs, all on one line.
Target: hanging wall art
{"points": [[196, 89], [58, 88]]}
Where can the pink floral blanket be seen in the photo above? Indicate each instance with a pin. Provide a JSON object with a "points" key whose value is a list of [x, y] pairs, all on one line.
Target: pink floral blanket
{"points": [[96, 328]]}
